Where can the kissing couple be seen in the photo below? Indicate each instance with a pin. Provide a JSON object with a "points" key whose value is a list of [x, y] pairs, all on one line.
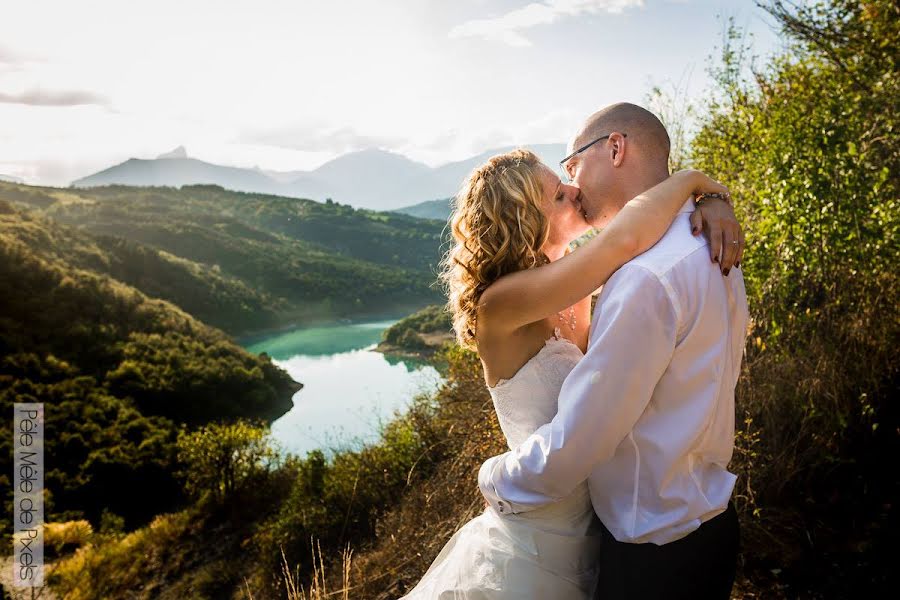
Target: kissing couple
{"points": [[620, 423]]}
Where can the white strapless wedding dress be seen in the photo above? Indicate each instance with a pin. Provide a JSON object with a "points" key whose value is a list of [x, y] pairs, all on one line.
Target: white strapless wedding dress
{"points": [[549, 553]]}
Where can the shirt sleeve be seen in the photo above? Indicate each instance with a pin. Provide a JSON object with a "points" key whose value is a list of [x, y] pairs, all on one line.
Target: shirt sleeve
{"points": [[631, 344]]}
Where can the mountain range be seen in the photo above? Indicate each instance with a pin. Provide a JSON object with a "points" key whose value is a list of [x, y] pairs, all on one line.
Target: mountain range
{"points": [[374, 179]]}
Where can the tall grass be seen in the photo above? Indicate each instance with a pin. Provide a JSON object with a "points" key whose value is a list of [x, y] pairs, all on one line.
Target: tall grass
{"points": [[318, 589]]}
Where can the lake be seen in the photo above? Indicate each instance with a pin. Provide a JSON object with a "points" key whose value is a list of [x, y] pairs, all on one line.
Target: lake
{"points": [[348, 388]]}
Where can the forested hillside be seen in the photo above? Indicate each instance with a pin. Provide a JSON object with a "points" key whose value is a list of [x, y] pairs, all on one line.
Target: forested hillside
{"points": [[420, 334], [245, 262], [118, 373]]}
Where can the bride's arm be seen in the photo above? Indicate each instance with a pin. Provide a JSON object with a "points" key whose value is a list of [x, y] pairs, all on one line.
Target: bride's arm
{"points": [[527, 296]]}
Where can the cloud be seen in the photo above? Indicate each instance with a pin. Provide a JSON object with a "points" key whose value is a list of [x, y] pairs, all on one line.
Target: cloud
{"points": [[39, 97], [313, 139], [51, 172], [507, 28], [12, 61], [552, 128], [8, 57]]}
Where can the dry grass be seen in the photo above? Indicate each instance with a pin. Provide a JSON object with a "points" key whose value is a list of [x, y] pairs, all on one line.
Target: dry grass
{"points": [[318, 588], [86, 572]]}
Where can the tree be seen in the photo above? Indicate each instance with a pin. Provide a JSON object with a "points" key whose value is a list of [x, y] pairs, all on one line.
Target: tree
{"points": [[810, 146], [219, 459]]}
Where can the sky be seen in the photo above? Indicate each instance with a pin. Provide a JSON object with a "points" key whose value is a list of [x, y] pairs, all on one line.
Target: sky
{"points": [[289, 85]]}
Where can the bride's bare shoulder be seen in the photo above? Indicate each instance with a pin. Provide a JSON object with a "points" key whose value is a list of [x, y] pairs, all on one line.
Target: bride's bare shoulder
{"points": [[491, 294]]}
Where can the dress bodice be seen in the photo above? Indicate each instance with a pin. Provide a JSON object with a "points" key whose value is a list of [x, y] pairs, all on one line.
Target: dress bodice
{"points": [[528, 399]]}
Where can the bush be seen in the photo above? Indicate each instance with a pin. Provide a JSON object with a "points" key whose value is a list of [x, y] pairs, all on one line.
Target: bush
{"points": [[60, 538], [810, 147], [220, 459], [340, 500]]}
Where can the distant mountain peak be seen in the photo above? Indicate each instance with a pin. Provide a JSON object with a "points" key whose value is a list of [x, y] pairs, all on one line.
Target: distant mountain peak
{"points": [[375, 160], [373, 178], [178, 152]]}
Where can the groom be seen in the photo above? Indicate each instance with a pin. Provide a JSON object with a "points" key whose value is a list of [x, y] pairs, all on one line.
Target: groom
{"points": [[647, 416]]}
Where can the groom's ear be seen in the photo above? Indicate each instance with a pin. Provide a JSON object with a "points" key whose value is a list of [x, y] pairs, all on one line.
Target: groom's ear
{"points": [[616, 146]]}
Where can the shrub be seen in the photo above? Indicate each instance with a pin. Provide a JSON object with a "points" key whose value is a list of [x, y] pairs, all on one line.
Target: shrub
{"points": [[220, 459], [810, 146]]}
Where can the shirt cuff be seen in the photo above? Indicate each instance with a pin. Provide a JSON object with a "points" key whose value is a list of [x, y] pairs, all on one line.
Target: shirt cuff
{"points": [[489, 490]]}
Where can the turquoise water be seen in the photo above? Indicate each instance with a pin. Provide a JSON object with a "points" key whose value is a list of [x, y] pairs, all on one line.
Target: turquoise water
{"points": [[348, 388]]}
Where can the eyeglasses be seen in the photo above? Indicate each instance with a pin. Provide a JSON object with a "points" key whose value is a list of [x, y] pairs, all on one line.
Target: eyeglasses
{"points": [[562, 164]]}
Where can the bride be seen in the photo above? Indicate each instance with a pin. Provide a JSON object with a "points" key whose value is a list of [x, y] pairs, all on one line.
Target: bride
{"points": [[514, 220]]}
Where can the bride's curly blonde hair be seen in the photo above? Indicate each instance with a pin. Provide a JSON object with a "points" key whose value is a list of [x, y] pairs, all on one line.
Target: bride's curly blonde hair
{"points": [[498, 228]]}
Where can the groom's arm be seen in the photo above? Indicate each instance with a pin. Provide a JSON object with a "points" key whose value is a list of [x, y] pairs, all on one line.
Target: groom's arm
{"points": [[632, 340]]}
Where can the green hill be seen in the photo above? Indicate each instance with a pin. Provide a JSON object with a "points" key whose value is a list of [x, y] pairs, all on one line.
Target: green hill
{"points": [[420, 334], [432, 209], [246, 262], [119, 373]]}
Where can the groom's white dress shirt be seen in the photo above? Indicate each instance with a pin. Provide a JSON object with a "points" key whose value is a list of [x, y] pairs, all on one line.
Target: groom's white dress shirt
{"points": [[647, 416]]}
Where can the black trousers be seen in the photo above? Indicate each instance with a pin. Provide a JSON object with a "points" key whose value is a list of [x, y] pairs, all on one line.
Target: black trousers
{"points": [[700, 566]]}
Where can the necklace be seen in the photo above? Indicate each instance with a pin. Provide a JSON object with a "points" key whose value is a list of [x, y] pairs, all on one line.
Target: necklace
{"points": [[571, 317]]}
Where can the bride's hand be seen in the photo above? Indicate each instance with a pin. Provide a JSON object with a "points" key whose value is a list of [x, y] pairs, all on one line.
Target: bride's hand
{"points": [[716, 218]]}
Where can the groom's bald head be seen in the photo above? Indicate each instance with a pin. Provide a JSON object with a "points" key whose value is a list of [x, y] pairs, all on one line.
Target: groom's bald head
{"points": [[633, 158], [645, 132]]}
